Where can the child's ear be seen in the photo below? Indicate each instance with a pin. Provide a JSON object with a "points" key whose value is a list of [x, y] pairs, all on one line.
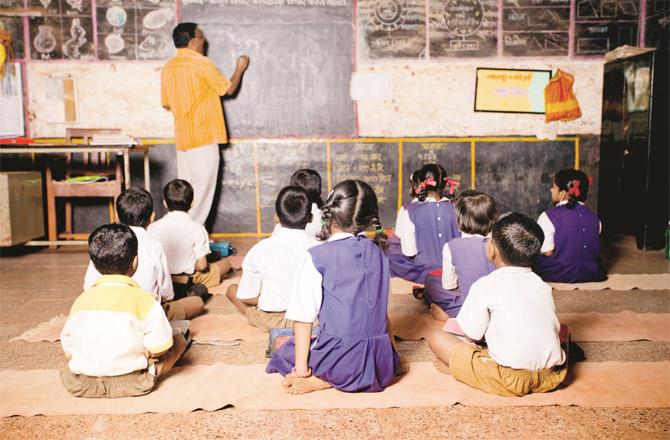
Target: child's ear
{"points": [[491, 250], [152, 217], [165, 204], [276, 219]]}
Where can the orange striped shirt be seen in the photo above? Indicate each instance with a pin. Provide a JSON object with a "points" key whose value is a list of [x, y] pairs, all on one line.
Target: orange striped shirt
{"points": [[191, 86]]}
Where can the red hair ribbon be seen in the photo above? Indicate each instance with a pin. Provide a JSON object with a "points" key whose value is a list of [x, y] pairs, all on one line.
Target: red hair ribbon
{"points": [[428, 182], [573, 188], [453, 184], [590, 181]]}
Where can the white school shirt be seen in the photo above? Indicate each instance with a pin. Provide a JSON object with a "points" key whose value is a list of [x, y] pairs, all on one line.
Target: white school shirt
{"points": [[313, 228], [549, 229], [404, 229], [513, 309], [152, 272], [184, 240], [449, 275], [269, 268], [307, 294]]}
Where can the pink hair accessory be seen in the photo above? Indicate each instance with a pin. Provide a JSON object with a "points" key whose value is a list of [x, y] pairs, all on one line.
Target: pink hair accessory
{"points": [[452, 183], [573, 188], [590, 181], [428, 182]]}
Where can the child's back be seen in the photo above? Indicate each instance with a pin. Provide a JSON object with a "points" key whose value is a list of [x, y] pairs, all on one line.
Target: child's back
{"points": [[434, 225], [468, 256], [183, 239]]}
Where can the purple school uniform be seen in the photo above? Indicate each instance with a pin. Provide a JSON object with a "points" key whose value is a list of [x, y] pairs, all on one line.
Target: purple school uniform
{"points": [[401, 265], [468, 255], [576, 256], [435, 225], [353, 351]]}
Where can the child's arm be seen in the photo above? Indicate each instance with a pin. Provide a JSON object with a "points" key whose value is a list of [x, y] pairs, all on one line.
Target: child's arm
{"points": [[549, 230], [303, 337], [66, 340], [449, 276], [405, 230]]}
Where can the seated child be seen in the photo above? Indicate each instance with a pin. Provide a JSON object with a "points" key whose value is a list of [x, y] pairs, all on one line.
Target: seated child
{"points": [[270, 267], [117, 338], [310, 180], [513, 310], [134, 208], [185, 241], [344, 281], [425, 227], [571, 248], [464, 259]]}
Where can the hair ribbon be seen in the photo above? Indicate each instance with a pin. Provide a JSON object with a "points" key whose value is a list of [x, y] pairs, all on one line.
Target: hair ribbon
{"points": [[452, 183], [573, 188], [425, 184]]}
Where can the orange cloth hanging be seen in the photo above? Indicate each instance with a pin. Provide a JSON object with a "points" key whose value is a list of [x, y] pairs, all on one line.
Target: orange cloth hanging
{"points": [[560, 103]]}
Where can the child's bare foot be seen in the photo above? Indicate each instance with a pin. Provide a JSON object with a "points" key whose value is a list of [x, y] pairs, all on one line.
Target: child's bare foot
{"points": [[437, 313], [441, 366], [304, 385]]}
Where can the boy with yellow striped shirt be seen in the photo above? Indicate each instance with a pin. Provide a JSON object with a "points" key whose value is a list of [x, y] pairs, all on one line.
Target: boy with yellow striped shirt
{"points": [[117, 338]]}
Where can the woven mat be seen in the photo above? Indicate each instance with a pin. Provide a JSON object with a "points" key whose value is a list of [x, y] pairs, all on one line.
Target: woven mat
{"points": [[615, 281]]}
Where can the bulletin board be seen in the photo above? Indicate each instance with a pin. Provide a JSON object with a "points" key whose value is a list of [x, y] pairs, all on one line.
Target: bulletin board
{"points": [[510, 90]]}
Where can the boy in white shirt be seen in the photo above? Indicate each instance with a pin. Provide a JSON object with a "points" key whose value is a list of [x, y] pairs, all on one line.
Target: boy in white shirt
{"points": [[117, 339], [185, 241], [513, 310], [270, 267], [135, 208]]}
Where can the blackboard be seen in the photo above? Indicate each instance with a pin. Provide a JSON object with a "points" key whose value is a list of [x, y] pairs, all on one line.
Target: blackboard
{"points": [[301, 56], [65, 32], [603, 25], [518, 174], [536, 27], [373, 162], [453, 156], [393, 28], [277, 161], [463, 28], [657, 33]]}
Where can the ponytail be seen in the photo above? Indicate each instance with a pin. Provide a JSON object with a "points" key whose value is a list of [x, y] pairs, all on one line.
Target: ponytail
{"points": [[575, 183], [380, 235]]}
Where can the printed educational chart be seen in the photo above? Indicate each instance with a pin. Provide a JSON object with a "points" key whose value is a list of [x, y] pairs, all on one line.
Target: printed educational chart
{"points": [[135, 29], [65, 31], [511, 91], [463, 28], [393, 28], [536, 27], [603, 25]]}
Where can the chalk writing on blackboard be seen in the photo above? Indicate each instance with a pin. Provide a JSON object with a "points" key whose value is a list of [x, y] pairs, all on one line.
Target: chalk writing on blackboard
{"points": [[393, 28], [65, 32], [536, 27], [603, 25], [463, 28]]}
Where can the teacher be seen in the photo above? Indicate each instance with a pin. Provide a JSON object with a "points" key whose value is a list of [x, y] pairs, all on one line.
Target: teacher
{"points": [[191, 87]]}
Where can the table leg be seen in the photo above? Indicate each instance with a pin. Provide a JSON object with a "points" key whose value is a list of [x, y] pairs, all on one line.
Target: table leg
{"points": [[147, 178], [52, 232], [126, 169]]}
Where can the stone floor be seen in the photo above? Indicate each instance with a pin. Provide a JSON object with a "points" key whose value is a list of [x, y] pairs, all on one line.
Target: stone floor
{"points": [[39, 284]]}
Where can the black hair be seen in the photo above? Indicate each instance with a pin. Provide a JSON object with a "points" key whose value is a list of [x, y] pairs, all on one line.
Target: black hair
{"points": [[352, 204], [293, 207], [178, 195], [575, 183], [518, 239], [134, 207], [413, 183], [112, 249], [310, 180], [475, 212], [183, 33], [430, 178]]}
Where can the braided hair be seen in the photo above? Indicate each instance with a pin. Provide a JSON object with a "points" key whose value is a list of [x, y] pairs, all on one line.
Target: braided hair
{"points": [[431, 178], [575, 183], [352, 205]]}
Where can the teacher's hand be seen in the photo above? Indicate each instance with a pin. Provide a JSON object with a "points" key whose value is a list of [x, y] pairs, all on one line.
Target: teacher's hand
{"points": [[243, 63]]}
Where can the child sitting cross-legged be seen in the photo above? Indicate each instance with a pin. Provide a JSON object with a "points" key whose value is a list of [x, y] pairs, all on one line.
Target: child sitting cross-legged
{"points": [[513, 310], [271, 266], [117, 338]]}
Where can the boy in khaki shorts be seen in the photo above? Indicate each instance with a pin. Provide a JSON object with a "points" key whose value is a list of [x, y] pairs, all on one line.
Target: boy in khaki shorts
{"points": [[271, 266], [512, 309], [117, 339]]}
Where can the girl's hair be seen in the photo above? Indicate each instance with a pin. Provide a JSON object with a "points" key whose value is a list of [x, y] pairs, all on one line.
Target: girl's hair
{"points": [[475, 212], [352, 205], [413, 183], [431, 178], [575, 183], [310, 180]]}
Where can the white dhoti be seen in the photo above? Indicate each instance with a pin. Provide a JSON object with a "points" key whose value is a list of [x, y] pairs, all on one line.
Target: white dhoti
{"points": [[200, 167]]}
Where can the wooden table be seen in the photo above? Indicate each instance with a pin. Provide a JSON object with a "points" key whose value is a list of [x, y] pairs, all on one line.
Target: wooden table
{"points": [[64, 148]]}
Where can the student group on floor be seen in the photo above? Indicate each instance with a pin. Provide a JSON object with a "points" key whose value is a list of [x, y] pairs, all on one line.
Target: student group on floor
{"points": [[325, 273]]}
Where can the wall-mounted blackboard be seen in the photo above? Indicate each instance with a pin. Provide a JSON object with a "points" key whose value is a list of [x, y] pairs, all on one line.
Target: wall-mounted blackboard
{"points": [[463, 28], [536, 27], [602, 25], [395, 28], [301, 56]]}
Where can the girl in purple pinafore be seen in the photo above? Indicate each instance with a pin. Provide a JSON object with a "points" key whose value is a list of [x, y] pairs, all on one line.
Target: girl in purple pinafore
{"points": [[571, 248], [345, 281], [464, 259], [425, 227]]}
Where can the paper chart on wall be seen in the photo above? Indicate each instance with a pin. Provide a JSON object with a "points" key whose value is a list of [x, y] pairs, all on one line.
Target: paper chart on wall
{"points": [[11, 104]]}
